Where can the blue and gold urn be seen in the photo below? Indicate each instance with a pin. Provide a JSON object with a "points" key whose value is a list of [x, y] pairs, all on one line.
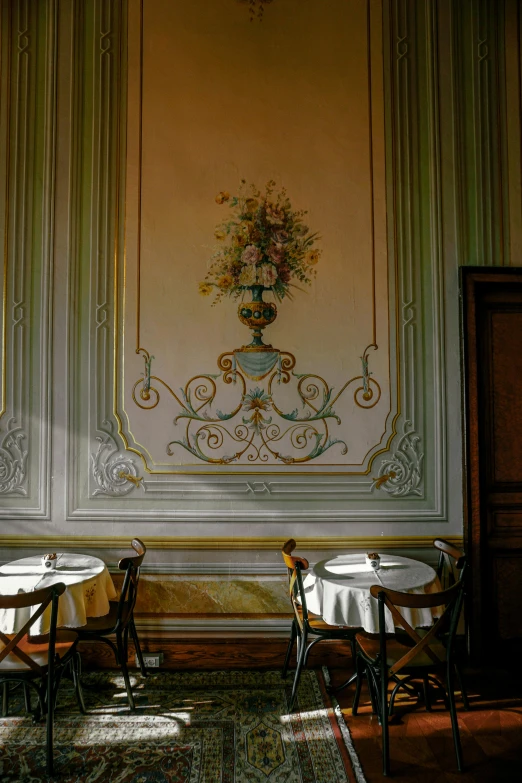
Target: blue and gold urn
{"points": [[257, 314]]}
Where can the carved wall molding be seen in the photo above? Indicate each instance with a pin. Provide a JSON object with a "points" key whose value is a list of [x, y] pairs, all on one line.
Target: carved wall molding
{"points": [[27, 131], [114, 474], [401, 474], [13, 458], [479, 56], [410, 37], [408, 474]]}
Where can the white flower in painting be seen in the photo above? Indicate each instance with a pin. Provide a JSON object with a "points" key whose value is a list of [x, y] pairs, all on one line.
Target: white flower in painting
{"points": [[248, 276], [268, 275], [250, 255]]}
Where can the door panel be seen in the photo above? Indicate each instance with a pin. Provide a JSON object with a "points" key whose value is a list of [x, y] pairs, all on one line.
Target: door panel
{"points": [[492, 334], [505, 403]]}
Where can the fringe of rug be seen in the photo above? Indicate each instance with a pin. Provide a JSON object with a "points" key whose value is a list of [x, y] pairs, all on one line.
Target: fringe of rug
{"points": [[345, 732]]}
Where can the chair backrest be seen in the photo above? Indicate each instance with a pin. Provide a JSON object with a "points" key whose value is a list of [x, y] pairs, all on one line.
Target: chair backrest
{"points": [[40, 600], [450, 558], [442, 631], [129, 591], [295, 566]]}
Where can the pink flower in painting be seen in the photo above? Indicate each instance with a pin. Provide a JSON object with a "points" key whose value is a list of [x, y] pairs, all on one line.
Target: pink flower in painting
{"points": [[281, 236], [250, 255], [275, 215], [285, 273], [276, 251], [268, 275]]}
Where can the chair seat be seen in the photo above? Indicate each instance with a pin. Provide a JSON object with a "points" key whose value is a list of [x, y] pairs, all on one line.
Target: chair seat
{"points": [[36, 647], [316, 622], [103, 625], [395, 650]]}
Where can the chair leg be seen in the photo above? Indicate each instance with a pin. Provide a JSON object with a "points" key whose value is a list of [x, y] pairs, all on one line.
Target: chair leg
{"points": [[27, 698], [126, 642], [137, 647], [358, 685], [76, 667], [372, 688], [453, 715], [392, 697], [300, 661], [50, 697], [462, 687], [293, 634], [384, 726], [123, 665]]}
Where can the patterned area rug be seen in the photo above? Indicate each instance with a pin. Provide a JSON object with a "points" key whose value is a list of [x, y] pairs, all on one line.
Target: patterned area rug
{"points": [[190, 727]]}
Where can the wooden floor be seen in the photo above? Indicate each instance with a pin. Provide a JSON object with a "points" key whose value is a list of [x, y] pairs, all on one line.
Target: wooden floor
{"points": [[421, 744]]}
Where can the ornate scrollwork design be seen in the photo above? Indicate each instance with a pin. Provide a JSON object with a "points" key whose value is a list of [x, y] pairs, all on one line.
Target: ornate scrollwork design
{"points": [[13, 458], [114, 474], [402, 474], [266, 431]]}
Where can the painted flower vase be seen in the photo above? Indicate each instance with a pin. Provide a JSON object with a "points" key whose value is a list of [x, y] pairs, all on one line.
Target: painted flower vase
{"points": [[257, 314]]}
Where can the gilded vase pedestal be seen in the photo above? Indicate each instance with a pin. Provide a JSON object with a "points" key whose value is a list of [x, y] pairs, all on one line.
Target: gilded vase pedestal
{"points": [[257, 314], [257, 359]]}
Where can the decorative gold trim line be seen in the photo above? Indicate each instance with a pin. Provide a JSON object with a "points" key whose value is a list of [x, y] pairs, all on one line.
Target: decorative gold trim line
{"points": [[350, 543]]}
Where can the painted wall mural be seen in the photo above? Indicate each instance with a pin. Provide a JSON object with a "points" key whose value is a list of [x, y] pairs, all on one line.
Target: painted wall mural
{"points": [[263, 246], [260, 207]]}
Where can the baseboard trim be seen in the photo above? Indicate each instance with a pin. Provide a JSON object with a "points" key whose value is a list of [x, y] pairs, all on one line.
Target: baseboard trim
{"points": [[204, 627], [212, 653]]}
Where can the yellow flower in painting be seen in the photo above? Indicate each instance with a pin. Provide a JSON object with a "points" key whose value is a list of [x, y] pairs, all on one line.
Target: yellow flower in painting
{"points": [[252, 204], [205, 289], [225, 282], [222, 196], [248, 275], [220, 235], [313, 257], [239, 239]]}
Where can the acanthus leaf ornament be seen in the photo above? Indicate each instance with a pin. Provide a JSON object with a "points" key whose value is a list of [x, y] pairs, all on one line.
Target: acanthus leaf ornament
{"points": [[401, 475], [114, 474], [13, 458]]}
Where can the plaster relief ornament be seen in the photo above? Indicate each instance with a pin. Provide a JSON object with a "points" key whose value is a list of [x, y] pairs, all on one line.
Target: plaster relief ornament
{"points": [[262, 245]]}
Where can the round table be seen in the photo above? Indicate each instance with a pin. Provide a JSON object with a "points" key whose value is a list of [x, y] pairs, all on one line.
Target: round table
{"points": [[89, 590], [339, 590]]}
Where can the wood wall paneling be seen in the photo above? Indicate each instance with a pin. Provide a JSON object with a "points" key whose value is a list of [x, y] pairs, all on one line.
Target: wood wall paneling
{"points": [[492, 340]]}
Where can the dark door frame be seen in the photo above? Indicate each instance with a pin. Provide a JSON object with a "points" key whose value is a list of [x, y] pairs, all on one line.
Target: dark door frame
{"points": [[473, 282]]}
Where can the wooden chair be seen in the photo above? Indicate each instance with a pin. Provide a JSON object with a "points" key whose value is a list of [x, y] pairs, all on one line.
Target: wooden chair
{"points": [[384, 656], [120, 620], [304, 622], [451, 559], [38, 661]]}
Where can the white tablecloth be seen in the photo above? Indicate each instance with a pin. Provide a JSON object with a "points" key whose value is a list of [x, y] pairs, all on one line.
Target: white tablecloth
{"points": [[89, 589], [339, 590]]}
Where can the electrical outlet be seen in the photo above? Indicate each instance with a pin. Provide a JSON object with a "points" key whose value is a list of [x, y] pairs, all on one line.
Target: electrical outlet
{"points": [[151, 660]]}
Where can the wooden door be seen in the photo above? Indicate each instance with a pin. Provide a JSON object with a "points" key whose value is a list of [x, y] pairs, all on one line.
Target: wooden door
{"points": [[492, 331]]}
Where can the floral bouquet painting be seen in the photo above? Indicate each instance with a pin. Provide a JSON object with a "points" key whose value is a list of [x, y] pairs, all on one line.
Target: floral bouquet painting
{"points": [[263, 245], [263, 242]]}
